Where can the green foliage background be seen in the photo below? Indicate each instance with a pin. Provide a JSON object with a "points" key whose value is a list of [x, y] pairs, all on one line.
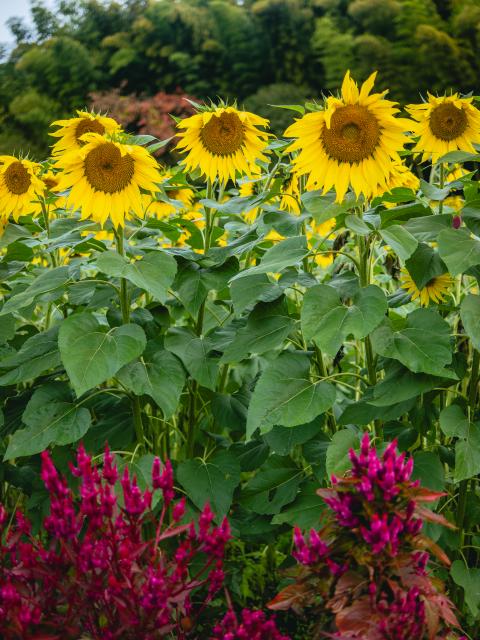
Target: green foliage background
{"points": [[258, 51]]}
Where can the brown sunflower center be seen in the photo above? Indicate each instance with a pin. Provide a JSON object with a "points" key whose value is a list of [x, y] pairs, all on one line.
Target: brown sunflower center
{"points": [[447, 121], [17, 178], [353, 134], [223, 135], [50, 183], [107, 170], [88, 126]]}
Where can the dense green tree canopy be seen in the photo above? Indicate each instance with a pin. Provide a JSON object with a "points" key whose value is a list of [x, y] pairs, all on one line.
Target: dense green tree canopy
{"points": [[230, 48]]}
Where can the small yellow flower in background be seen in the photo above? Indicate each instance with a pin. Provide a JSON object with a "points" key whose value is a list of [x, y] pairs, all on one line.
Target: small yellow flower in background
{"points": [[315, 236], [291, 195], [354, 142], [274, 236], [20, 188], [161, 210], [245, 190], [434, 291], [455, 172], [223, 143], [101, 234], [443, 124], [105, 178], [71, 131]]}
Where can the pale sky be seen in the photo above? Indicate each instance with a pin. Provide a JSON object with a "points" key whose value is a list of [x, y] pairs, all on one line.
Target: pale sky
{"points": [[9, 8]]}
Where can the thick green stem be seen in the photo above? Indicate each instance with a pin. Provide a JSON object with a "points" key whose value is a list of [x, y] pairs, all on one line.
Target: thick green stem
{"points": [[192, 412], [125, 310], [442, 184], [364, 275]]}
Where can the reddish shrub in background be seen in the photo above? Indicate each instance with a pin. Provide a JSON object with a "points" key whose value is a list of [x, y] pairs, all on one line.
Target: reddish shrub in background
{"points": [[364, 573], [146, 115], [97, 572]]}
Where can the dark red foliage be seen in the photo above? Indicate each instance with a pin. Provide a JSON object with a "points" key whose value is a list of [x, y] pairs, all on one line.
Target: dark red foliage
{"points": [[150, 115], [364, 574], [108, 568]]}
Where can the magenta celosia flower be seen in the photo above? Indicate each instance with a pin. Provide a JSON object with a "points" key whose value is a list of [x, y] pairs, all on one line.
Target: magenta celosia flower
{"points": [[253, 625], [97, 573], [367, 565]]}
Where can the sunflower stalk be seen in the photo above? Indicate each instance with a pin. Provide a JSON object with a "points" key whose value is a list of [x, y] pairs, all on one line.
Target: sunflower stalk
{"points": [[125, 310], [442, 184], [364, 275]]}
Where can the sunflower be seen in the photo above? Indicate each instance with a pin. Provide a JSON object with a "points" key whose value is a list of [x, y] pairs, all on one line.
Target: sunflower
{"points": [[354, 141], [20, 187], [161, 209], [247, 189], [400, 176], [435, 290], [315, 237], [72, 130], [223, 142], [291, 195], [443, 124], [105, 178]]}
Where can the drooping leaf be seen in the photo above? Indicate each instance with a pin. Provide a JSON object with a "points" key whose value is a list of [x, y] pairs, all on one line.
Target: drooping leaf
{"points": [[154, 273], [287, 253], [329, 322], [47, 286], [422, 344], [51, 418], [274, 485], [38, 354], [213, 480], [458, 250], [401, 240], [467, 454], [91, 353], [267, 327], [158, 374], [469, 579], [194, 352], [470, 315], [285, 395]]}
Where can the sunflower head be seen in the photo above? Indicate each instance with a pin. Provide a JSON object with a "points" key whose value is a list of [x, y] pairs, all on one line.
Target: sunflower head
{"points": [[443, 124], [222, 142], [290, 200], [105, 178], [400, 177], [20, 187], [434, 291], [353, 142], [70, 132]]}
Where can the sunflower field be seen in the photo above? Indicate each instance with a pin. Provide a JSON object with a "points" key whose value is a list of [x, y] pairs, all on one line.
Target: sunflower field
{"points": [[240, 393]]}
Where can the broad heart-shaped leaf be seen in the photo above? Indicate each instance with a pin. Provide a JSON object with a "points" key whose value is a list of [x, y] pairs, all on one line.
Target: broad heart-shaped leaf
{"points": [[38, 354], [287, 253], [154, 273], [246, 291], [453, 422], [267, 327], [470, 315], [305, 511], [284, 395], [273, 486], [469, 580], [467, 454], [401, 240], [213, 480], [47, 286], [458, 249], [422, 345], [158, 374], [91, 353], [327, 321], [51, 417], [193, 282], [337, 453], [428, 468], [194, 352]]}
